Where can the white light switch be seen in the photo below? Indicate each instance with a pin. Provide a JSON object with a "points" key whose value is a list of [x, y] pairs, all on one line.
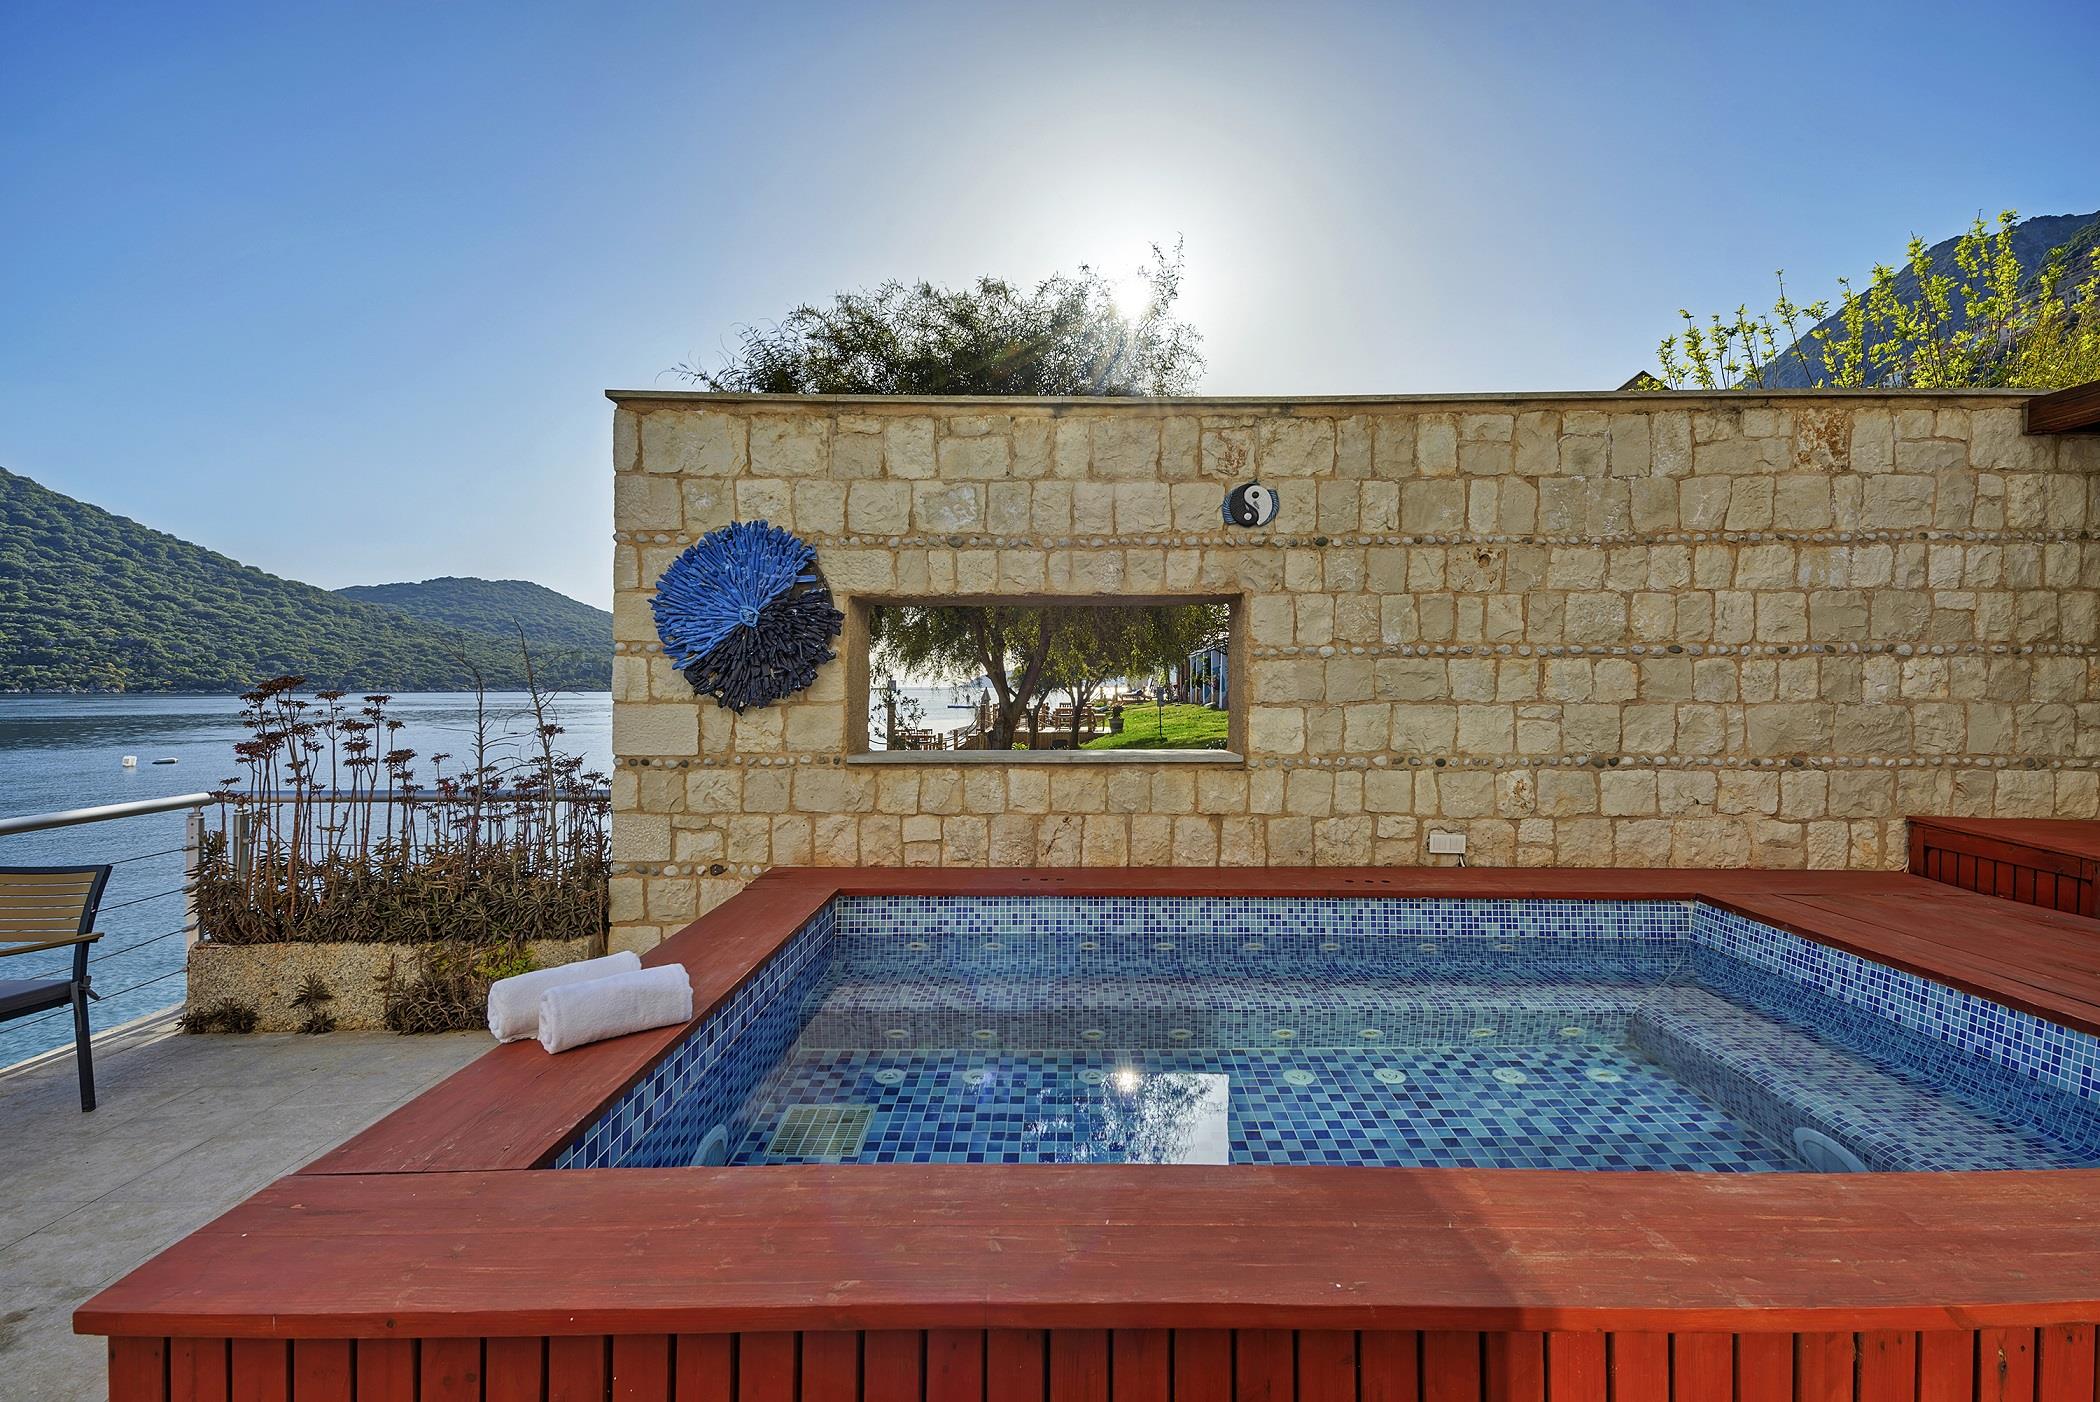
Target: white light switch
{"points": [[1447, 844]]}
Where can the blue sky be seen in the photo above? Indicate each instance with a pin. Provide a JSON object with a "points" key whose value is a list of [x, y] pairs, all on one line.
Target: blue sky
{"points": [[336, 288]]}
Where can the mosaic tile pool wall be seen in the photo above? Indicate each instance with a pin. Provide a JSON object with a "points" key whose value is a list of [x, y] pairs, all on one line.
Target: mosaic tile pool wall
{"points": [[1562, 1034]]}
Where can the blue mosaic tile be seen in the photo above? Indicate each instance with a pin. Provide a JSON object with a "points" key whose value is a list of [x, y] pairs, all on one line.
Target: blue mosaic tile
{"points": [[2026, 1045], [662, 1118], [1450, 1110], [1561, 1034]]}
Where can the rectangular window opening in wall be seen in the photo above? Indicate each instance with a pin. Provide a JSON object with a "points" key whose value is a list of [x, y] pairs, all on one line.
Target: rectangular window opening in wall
{"points": [[1046, 681]]}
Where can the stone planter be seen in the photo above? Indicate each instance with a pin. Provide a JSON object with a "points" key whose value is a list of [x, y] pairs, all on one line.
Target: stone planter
{"points": [[267, 977]]}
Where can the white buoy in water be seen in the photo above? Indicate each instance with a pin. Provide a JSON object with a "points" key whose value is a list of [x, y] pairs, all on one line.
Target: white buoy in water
{"points": [[131, 761]]}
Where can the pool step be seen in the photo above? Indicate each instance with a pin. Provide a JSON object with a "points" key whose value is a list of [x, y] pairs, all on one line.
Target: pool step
{"points": [[1573, 956], [1774, 1078], [1078, 1014]]}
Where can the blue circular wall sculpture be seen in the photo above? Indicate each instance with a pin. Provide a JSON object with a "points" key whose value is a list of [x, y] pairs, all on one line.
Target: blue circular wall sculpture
{"points": [[745, 615]]}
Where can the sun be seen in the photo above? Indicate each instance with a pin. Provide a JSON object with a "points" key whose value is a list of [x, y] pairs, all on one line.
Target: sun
{"points": [[1132, 296]]}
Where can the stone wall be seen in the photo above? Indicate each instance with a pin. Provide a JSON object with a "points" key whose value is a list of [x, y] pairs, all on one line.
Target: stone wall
{"points": [[1581, 629]]}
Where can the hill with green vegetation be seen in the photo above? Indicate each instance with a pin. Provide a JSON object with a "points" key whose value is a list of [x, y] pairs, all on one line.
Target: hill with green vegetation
{"points": [[495, 608], [2015, 303], [91, 601]]}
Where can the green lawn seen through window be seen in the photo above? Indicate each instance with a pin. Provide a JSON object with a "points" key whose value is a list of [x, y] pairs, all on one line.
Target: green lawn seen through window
{"points": [[1171, 727]]}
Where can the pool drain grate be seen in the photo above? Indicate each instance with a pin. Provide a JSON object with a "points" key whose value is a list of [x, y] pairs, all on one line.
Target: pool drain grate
{"points": [[821, 1132]]}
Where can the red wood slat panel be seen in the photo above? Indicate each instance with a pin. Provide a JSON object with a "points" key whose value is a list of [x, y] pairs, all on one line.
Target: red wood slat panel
{"points": [[1078, 1365], [1764, 1368], [1640, 1367], [890, 1365], [1823, 1367], [1202, 1364], [1140, 1365], [641, 1367], [1016, 1365], [1327, 1366], [1516, 1367], [576, 1370], [1389, 1361], [1575, 1368], [321, 1370], [450, 1371], [512, 1369], [1888, 1366], [138, 1370], [2005, 1365], [386, 1370], [1263, 1366], [197, 1370], [765, 1367], [830, 1366], [954, 1365], [2064, 1364], [1946, 1366], [2073, 410], [1702, 1367], [1450, 1366], [262, 1370], [703, 1368]]}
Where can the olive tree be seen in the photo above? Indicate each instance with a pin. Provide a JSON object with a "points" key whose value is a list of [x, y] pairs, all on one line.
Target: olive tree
{"points": [[1065, 335]]}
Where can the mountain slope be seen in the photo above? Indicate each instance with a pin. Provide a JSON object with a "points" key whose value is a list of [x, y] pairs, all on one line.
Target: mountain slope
{"points": [[2033, 240], [495, 608], [91, 601]]}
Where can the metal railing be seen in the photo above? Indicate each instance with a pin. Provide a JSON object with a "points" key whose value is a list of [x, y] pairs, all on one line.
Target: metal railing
{"points": [[121, 896], [193, 829], [108, 812]]}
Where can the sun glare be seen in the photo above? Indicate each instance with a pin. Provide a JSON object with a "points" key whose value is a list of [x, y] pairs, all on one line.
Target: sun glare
{"points": [[1132, 296]]}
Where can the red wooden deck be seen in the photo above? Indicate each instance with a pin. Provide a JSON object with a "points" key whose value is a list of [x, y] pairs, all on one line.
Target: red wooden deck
{"points": [[2049, 862], [429, 1258]]}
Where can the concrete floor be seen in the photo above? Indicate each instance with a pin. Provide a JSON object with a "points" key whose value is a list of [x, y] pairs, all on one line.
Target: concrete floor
{"points": [[186, 1127]]}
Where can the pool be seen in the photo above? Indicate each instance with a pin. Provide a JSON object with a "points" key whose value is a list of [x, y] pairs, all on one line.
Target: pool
{"points": [[1583, 1035]]}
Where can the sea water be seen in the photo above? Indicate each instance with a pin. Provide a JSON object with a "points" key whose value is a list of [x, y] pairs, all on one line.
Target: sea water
{"points": [[62, 752]]}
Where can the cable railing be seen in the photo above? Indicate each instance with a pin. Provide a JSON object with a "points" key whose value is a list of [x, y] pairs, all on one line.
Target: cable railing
{"points": [[146, 883], [139, 916]]}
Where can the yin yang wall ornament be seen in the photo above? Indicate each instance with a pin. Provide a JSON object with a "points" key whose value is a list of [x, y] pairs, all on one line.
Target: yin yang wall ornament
{"points": [[1250, 504]]}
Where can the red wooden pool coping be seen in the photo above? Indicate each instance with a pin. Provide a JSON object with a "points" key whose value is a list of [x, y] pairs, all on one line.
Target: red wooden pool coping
{"points": [[431, 1224], [1070, 1246]]}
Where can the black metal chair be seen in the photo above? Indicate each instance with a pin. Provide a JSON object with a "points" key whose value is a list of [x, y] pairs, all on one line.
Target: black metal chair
{"points": [[52, 908]]}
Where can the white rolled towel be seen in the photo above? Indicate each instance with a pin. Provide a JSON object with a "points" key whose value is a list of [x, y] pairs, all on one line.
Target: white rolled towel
{"points": [[573, 1014], [514, 1003]]}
